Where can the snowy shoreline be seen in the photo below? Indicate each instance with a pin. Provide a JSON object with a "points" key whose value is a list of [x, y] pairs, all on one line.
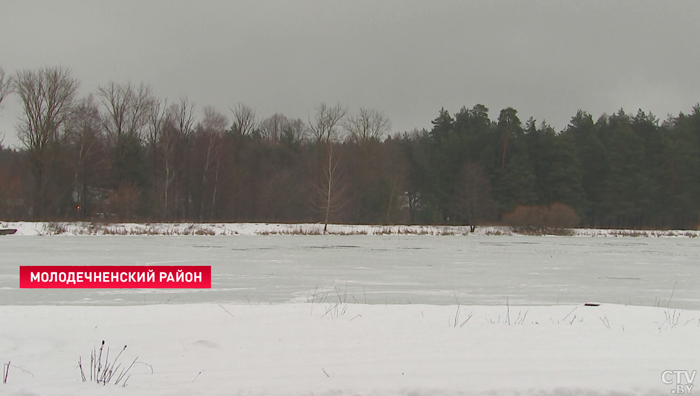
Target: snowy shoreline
{"points": [[86, 228]]}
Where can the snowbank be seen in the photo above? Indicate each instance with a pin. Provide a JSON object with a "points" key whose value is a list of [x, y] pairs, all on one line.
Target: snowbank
{"points": [[83, 228]]}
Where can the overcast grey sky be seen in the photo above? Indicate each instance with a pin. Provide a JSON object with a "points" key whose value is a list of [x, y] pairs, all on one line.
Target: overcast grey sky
{"points": [[547, 59]]}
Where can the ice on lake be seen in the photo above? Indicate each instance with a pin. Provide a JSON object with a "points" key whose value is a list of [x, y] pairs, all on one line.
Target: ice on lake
{"points": [[477, 270]]}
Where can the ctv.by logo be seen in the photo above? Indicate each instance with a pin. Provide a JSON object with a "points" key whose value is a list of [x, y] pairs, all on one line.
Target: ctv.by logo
{"points": [[682, 378]]}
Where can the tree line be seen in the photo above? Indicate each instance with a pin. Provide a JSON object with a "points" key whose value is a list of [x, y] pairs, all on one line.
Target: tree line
{"points": [[122, 153]]}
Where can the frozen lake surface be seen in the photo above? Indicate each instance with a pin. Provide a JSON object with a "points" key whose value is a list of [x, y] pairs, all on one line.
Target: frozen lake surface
{"points": [[480, 270], [296, 339]]}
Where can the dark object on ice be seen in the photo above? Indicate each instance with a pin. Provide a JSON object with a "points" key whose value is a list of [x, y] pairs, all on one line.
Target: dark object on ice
{"points": [[591, 304], [7, 231]]}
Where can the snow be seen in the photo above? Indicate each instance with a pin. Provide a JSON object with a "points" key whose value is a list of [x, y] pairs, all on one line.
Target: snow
{"points": [[293, 349], [412, 314], [83, 228]]}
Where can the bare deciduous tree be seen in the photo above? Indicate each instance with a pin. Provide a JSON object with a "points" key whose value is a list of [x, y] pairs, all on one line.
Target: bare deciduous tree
{"points": [[47, 97], [128, 110], [5, 90], [244, 123], [331, 190], [273, 126], [295, 131], [214, 121], [279, 128], [324, 125], [84, 135], [157, 119], [6, 87], [182, 115], [366, 125], [212, 129], [176, 134]]}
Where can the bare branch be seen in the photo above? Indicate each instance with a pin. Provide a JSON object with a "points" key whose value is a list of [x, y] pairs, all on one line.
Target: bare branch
{"points": [[295, 131], [6, 86], [175, 137], [47, 97], [211, 130], [324, 125], [366, 125], [182, 115], [244, 122], [332, 188], [83, 128], [213, 122], [273, 126], [84, 135], [156, 120], [128, 110]]}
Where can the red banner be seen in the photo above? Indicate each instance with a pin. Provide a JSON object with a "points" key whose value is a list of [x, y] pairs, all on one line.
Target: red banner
{"points": [[115, 277]]}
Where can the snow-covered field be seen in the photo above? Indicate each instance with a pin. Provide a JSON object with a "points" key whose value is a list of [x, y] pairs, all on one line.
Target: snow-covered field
{"points": [[292, 349], [400, 313]]}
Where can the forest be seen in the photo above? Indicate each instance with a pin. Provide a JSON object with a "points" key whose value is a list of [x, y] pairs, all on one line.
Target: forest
{"points": [[124, 154]]}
